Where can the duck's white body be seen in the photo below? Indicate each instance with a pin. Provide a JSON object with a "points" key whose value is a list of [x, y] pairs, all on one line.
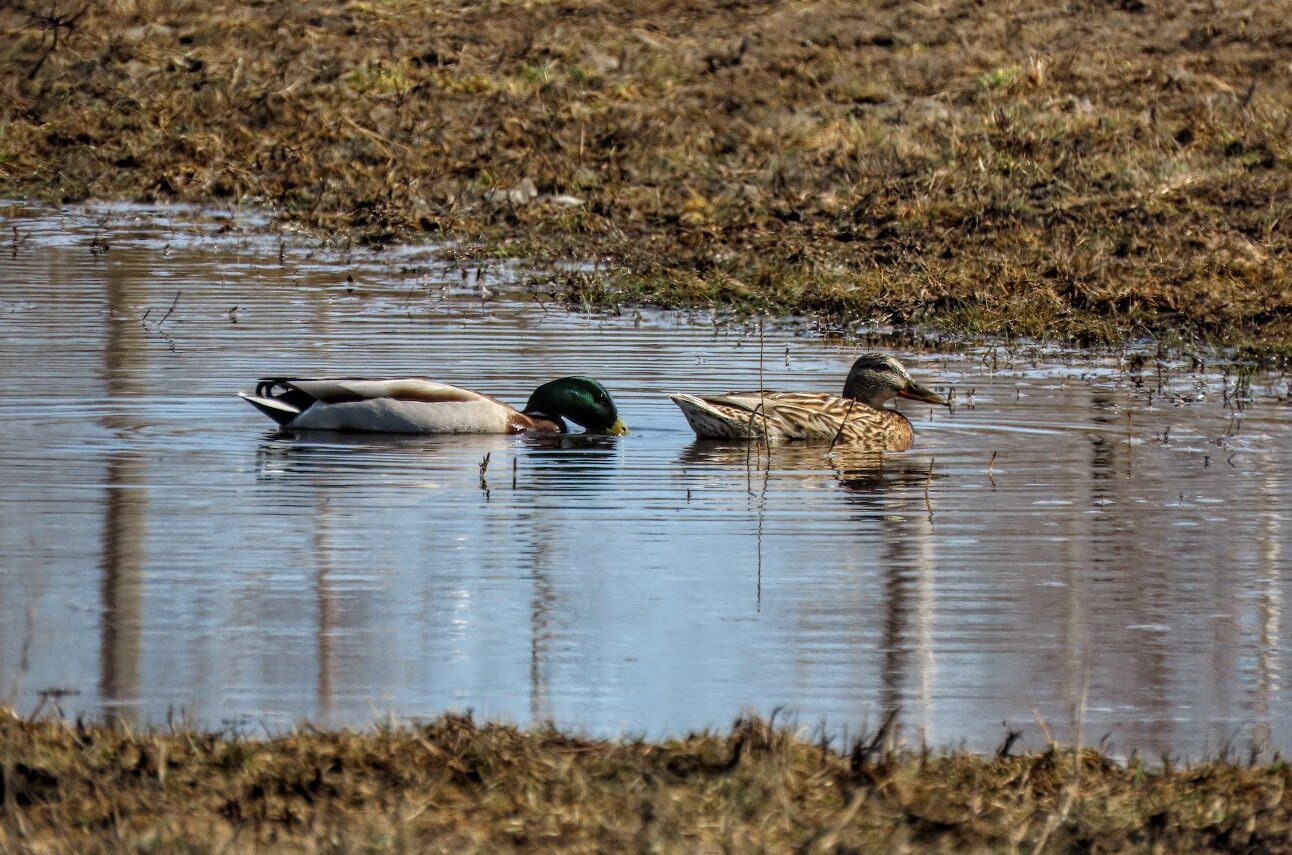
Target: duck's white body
{"points": [[394, 416], [398, 405]]}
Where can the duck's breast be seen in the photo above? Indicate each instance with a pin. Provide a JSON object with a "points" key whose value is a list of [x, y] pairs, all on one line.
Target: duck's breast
{"points": [[885, 430]]}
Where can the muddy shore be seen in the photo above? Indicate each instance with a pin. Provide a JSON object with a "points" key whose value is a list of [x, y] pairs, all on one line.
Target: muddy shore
{"points": [[456, 786], [1086, 171]]}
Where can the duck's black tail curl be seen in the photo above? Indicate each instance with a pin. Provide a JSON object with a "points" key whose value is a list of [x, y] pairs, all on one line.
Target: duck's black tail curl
{"points": [[266, 386], [280, 399]]}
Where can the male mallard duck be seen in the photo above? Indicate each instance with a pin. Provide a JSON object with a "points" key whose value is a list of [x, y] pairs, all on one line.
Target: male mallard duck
{"points": [[858, 417], [414, 405]]}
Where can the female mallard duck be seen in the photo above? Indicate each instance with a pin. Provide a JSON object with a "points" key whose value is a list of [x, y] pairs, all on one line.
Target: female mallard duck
{"points": [[414, 405], [858, 417]]}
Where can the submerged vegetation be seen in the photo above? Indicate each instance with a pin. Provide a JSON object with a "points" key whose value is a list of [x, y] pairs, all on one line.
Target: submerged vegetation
{"points": [[1082, 170], [455, 786]]}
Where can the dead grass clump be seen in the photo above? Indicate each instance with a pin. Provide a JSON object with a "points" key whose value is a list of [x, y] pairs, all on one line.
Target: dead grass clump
{"points": [[1083, 170], [456, 786]]}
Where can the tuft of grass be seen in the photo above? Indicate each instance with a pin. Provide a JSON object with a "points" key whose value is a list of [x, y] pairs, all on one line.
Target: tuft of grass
{"points": [[454, 785], [1087, 171]]}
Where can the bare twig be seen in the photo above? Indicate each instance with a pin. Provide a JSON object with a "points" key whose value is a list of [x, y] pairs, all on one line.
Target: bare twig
{"points": [[53, 23], [1011, 736], [927, 481], [843, 423], [173, 304]]}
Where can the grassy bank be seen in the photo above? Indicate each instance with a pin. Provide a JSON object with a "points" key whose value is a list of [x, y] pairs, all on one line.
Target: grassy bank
{"points": [[1081, 170], [454, 786]]}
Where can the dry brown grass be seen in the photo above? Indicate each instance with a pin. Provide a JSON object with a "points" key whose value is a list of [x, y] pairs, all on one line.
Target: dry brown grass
{"points": [[455, 786], [1086, 170]]}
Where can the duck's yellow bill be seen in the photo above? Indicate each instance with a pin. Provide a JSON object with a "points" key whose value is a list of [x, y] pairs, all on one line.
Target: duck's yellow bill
{"points": [[618, 428], [916, 392]]}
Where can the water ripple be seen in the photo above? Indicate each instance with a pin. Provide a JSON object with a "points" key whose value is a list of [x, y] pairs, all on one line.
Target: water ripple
{"points": [[1079, 531]]}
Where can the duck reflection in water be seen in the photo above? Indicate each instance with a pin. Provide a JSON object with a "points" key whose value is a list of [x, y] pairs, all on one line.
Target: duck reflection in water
{"points": [[869, 474], [895, 551], [287, 453], [354, 488], [571, 463], [544, 462]]}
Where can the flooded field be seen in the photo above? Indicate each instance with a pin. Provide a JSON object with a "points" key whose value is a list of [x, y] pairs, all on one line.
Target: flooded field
{"points": [[1097, 544]]}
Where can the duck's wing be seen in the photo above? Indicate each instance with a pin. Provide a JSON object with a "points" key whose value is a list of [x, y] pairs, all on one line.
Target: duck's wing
{"points": [[302, 391], [803, 415], [398, 405], [778, 415], [712, 419]]}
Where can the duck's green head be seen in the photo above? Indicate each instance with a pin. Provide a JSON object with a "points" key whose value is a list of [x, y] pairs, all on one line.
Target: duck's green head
{"points": [[876, 379], [582, 400]]}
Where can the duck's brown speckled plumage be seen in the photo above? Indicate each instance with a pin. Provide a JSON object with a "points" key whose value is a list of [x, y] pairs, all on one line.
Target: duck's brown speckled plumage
{"points": [[858, 419], [795, 415]]}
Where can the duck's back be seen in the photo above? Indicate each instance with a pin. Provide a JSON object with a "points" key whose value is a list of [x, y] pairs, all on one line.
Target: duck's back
{"points": [[807, 416], [395, 405]]}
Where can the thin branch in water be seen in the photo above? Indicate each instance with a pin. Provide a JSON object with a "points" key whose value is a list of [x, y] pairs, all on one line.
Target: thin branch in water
{"points": [[173, 304], [762, 390], [842, 424], [24, 658], [1012, 736], [928, 504]]}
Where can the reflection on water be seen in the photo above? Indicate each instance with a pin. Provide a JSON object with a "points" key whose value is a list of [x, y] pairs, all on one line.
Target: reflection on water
{"points": [[125, 503], [1078, 539]]}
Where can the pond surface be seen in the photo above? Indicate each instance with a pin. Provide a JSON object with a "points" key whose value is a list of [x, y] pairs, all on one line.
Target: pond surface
{"points": [[1086, 544]]}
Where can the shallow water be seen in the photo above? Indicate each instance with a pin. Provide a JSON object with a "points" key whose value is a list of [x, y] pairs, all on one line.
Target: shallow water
{"points": [[1101, 549]]}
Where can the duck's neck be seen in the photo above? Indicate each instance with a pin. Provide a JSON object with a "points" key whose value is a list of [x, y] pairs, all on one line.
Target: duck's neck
{"points": [[543, 423], [873, 395], [873, 398]]}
